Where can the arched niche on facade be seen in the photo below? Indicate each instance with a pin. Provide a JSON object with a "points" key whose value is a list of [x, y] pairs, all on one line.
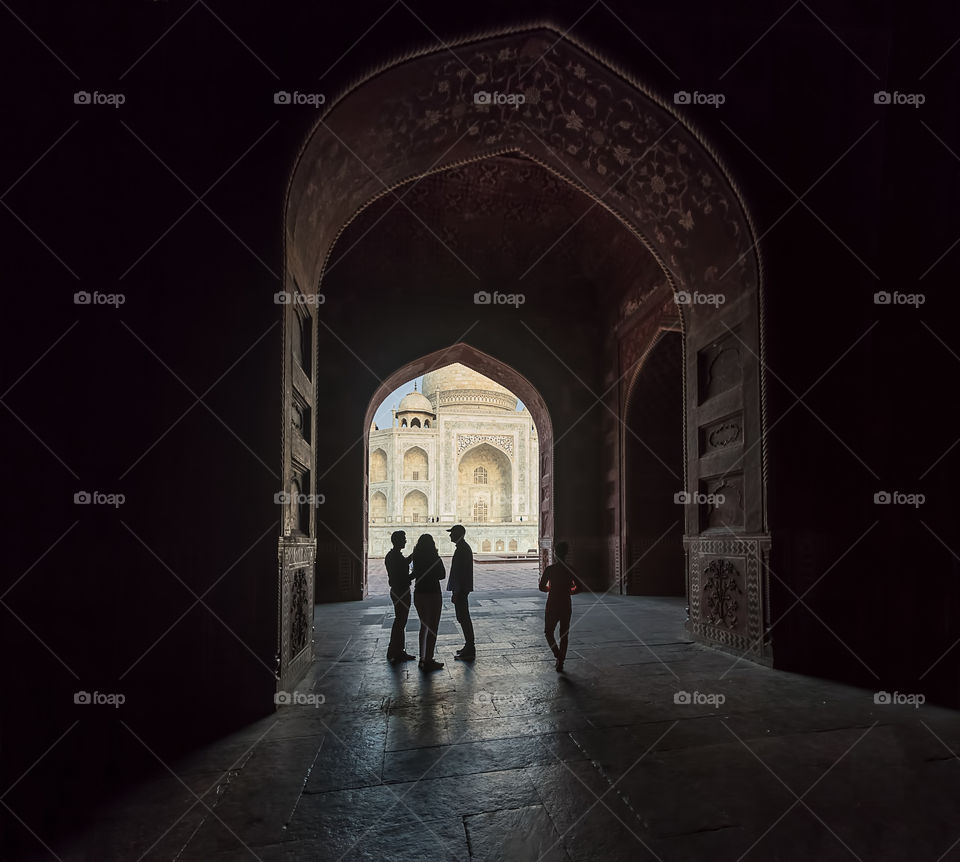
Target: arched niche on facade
{"points": [[378, 506], [494, 490], [378, 466], [416, 465], [415, 508]]}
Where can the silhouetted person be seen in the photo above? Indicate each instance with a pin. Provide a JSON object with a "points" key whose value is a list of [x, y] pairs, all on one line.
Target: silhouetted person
{"points": [[560, 582], [428, 571], [461, 584], [398, 574]]}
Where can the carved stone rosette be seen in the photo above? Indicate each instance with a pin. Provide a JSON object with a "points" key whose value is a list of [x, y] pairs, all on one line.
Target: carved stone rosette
{"points": [[297, 558], [730, 593]]}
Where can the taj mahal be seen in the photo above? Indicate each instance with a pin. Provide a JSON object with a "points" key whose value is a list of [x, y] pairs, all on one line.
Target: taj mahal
{"points": [[457, 452]]}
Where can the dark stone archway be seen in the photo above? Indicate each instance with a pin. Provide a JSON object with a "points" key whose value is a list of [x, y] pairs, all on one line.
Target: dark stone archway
{"points": [[631, 155]]}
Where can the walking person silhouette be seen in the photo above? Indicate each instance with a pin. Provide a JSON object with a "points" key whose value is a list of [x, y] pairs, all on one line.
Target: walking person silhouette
{"points": [[398, 575], [560, 582], [428, 571], [461, 584]]}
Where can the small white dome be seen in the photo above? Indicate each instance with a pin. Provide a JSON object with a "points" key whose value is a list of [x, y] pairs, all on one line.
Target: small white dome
{"points": [[415, 402]]}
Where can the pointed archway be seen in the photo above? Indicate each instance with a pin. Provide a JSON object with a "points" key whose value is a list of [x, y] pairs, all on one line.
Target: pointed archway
{"points": [[506, 376], [629, 151]]}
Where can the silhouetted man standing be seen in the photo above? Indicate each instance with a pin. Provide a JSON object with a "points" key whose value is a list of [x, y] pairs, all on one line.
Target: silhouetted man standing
{"points": [[398, 574], [460, 584]]}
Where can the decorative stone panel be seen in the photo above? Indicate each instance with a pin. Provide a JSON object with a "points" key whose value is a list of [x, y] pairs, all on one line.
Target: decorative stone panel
{"points": [[478, 398], [722, 435], [501, 441], [720, 367], [729, 593], [727, 514], [297, 558]]}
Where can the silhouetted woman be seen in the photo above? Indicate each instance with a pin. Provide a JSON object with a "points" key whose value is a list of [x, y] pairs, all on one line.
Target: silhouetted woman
{"points": [[428, 571], [560, 582]]}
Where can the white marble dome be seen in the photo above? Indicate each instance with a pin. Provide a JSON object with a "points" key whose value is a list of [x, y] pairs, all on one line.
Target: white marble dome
{"points": [[461, 386], [415, 402]]}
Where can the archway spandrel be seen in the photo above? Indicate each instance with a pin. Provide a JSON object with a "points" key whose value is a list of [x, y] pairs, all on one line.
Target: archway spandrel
{"points": [[577, 116]]}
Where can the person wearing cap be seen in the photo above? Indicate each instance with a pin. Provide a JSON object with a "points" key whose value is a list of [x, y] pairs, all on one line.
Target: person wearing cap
{"points": [[460, 583], [398, 574]]}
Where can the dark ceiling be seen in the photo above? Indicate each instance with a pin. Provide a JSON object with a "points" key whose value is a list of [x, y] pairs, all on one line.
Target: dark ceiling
{"points": [[504, 222]]}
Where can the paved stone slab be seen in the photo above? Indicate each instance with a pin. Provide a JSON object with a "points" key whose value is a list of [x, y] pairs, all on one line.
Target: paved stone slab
{"points": [[647, 746], [509, 836], [468, 758]]}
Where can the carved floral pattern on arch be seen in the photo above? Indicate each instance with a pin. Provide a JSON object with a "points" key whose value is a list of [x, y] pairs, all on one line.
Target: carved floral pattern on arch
{"points": [[637, 153], [501, 441]]}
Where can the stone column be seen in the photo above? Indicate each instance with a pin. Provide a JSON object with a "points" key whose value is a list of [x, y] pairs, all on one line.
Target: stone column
{"points": [[515, 478], [397, 474]]}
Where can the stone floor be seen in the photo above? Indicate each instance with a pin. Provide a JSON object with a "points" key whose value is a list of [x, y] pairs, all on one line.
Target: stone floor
{"points": [[506, 759], [488, 574]]}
